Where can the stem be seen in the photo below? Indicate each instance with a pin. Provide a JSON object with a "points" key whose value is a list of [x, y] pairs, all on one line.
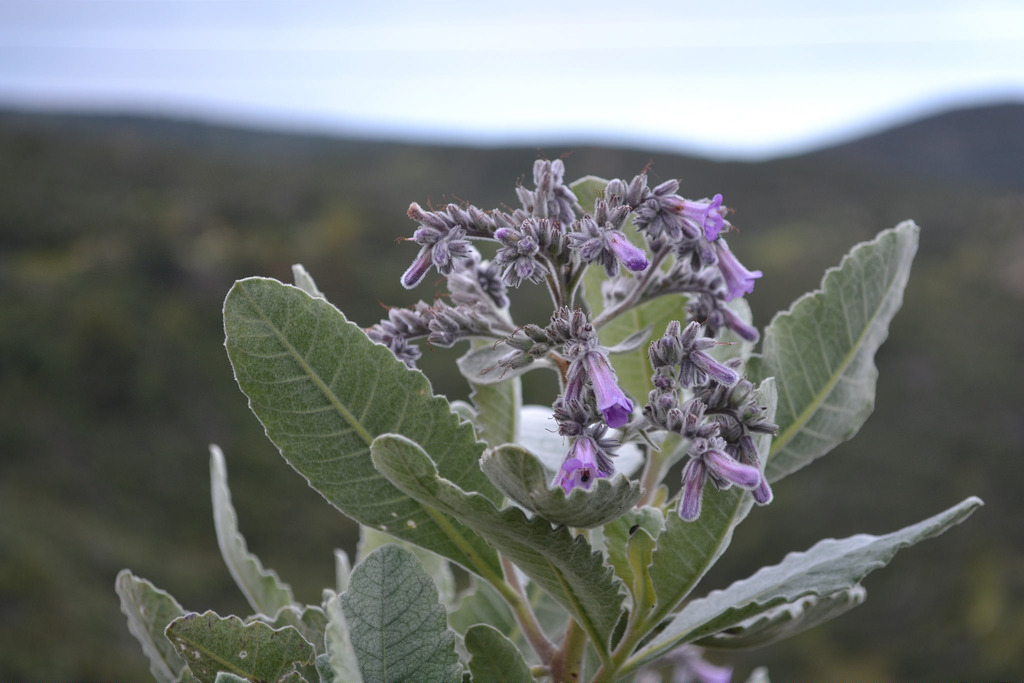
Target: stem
{"points": [[566, 666], [513, 592]]}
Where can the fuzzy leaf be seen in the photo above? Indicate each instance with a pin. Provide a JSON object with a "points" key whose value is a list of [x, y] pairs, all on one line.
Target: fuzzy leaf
{"points": [[304, 281], [397, 627], [786, 620], [264, 590], [252, 650], [821, 351], [563, 565], [340, 655], [149, 610], [437, 568], [827, 568], [630, 541], [323, 391], [481, 604], [494, 658], [310, 621], [497, 410], [522, 478]]}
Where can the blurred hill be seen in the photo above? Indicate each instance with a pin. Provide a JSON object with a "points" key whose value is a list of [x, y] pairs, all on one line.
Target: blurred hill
{"points": [[120, 236]]}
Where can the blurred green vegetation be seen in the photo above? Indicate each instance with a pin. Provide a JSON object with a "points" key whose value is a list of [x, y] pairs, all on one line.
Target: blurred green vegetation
{"points": [[119, 238]]}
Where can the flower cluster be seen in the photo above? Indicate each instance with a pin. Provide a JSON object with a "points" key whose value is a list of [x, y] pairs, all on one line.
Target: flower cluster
{"points": [[649, 242]]}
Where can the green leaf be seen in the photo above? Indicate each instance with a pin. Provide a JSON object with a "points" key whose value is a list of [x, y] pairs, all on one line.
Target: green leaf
{"points": [[630, 541], [687, 550], [821, 352], [310, 621], [252, 650], [786, 620], [341, 656], [225, 677], [324, 391], [497, 410], [397, 627], [827, 568], [264, 590], [436, 567], [588, 190], [521, 476], [564, 566], [342, 569], [149, 610], [304, 281], [494, 658], [481, 604]]}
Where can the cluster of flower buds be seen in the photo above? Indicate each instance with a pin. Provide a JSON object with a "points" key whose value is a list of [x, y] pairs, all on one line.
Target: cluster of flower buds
{"points": [[719, 417], [550, 238]]}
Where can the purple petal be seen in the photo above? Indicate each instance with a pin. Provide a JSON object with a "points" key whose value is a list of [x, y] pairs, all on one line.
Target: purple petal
{"points": [[717, 371], [612, 403], [414, 274], [580, 467], [732, 470], [714, 223], [763, 492], [738, 279], [628, 253], [693, 487], [737, 325]]}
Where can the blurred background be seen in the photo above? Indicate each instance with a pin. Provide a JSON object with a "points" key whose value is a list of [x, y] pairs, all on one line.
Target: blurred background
{"points": [[152, 152]]}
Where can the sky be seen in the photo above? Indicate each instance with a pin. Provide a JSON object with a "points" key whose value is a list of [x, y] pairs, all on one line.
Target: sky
{"points": [[732, 79]]}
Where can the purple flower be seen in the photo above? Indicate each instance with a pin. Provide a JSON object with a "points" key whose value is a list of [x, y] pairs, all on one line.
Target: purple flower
{"points": [[612, 403], [414, 274], [628, 253], [661, 213], [738, 280], [694, 476], [582, 465], [684, 347], [598, 239], [709, 460], [689, 666], [710, 215], [442, 235]]}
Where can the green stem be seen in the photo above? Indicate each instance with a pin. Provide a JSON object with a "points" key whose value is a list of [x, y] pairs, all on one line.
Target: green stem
{"points": [[513, 593], [567, 664]]}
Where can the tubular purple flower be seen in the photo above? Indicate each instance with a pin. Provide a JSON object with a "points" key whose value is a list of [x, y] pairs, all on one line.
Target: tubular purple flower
{"points": [[763, 492], [580, 467], [732, 471], [717, 371], [738, 280], [612, 403], [415, 273], [712, 217], [629, 254], [694, 476], [735, 323]]}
